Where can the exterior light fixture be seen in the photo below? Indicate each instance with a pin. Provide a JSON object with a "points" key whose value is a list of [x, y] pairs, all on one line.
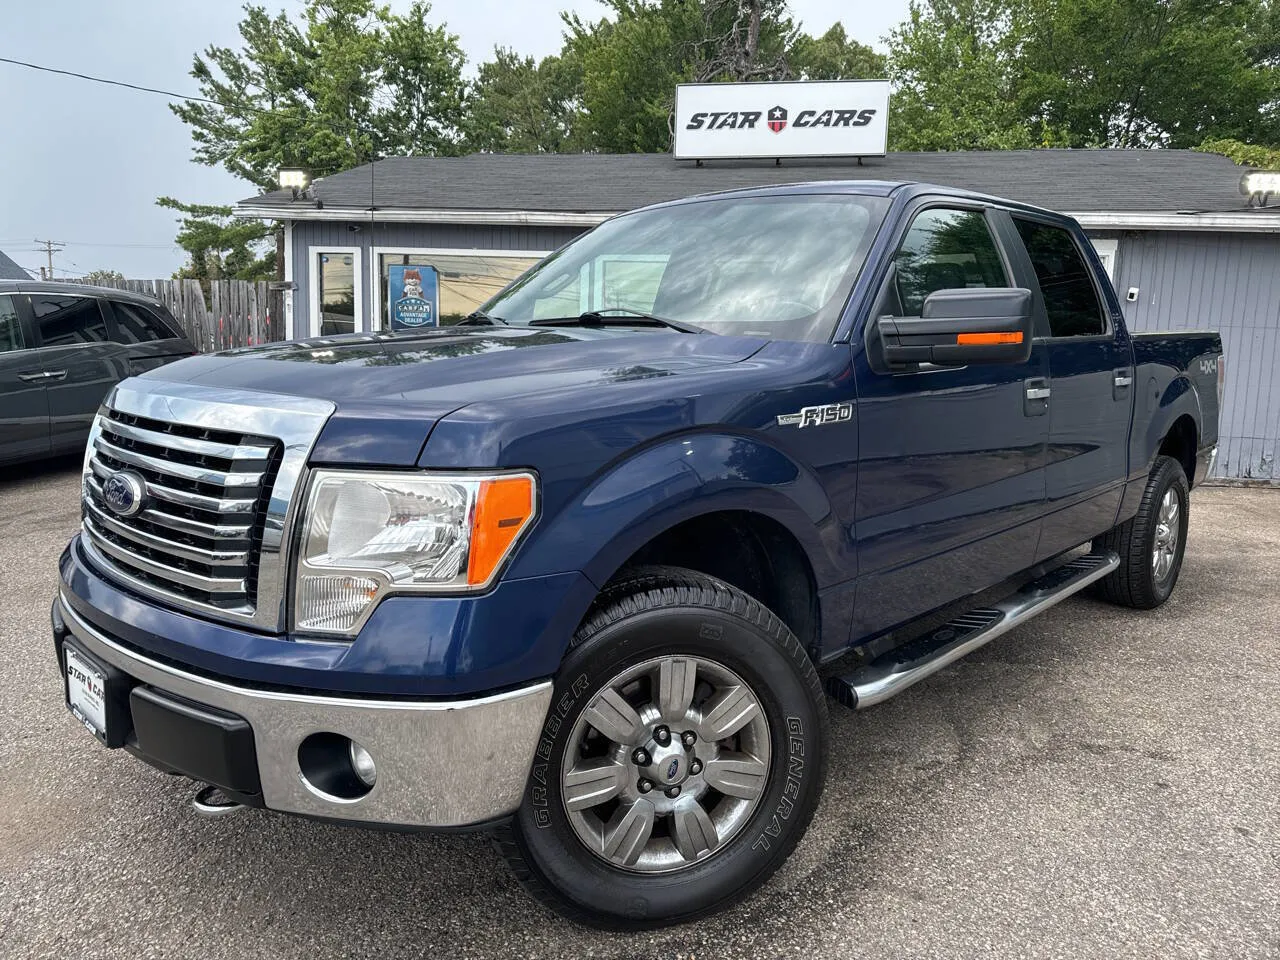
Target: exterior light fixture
{"points": [[295, 179], [1260, 186]]}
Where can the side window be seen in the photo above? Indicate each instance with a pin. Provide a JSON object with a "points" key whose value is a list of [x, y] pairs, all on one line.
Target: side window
{"points": [[137, 324], [944, 249], [1070, 297], [10, 328], [64, 319]]}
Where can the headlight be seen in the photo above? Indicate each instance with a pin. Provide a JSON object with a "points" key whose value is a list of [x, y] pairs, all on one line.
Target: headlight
{"points": [[368, 534]]}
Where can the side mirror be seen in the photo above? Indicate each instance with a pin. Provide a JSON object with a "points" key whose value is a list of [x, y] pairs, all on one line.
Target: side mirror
{"points": [[980, 325]]}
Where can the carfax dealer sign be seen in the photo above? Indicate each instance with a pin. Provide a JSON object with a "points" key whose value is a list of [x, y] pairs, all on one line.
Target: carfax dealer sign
{"points": [[836, 118]]}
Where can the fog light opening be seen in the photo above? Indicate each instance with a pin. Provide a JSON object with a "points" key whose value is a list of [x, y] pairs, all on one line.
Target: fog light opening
{"points": [[335, 768]]}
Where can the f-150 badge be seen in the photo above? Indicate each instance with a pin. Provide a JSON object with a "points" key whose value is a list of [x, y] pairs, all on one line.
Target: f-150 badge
{"points": [[819, 416]]}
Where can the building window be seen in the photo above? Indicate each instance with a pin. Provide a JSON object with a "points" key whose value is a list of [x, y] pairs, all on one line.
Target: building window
{"points": [[337, 272], [464, 280]]}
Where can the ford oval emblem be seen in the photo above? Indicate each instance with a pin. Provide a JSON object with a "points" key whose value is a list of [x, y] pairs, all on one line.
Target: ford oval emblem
{"points": [[673, 768], [123, 493]]}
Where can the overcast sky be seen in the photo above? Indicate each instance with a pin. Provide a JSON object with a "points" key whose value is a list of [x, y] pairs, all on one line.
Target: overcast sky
{"points": [[82, 163]]}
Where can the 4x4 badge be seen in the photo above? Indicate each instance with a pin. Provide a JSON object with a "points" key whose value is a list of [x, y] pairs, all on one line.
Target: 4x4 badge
{"points": [[818, 416]]}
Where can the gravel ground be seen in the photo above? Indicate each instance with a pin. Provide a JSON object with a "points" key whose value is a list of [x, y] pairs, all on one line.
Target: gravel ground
{"points": [[1097, 783]]}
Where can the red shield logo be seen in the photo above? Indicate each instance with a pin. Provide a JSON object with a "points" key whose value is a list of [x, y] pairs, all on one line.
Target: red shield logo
{"points": [[778, 119]]}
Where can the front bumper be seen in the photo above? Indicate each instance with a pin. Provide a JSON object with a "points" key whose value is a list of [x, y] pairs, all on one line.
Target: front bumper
{"points": [[439, 763]]}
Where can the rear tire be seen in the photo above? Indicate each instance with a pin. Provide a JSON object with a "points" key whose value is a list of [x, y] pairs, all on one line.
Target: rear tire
{"points": [[1151, 544], [709, 818]]}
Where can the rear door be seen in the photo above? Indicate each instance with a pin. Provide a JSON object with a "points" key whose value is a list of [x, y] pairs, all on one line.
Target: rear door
{"points": [[149, 334], [1091, 384], [80, 360], [951, 459], [24, 407]]}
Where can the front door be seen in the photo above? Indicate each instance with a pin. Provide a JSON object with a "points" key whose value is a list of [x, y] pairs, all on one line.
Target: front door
{"points": [[951, 460], [81, 363], [1091, 379], [24, 407]]}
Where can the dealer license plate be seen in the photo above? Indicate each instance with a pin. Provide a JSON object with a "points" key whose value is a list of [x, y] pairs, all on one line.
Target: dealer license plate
{"points": [[86, 693]]}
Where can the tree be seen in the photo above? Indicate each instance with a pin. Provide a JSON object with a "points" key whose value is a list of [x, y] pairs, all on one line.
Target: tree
{"points": [[104, 278], [351, 83], [992, 74], [1137, 73], [522, 106], [952, 62], [835, 56], [222, 246], [343, 83], [631, 64]]}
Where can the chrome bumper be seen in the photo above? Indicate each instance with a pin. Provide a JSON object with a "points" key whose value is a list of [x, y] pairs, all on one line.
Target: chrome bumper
{"points": [[439, 763]]}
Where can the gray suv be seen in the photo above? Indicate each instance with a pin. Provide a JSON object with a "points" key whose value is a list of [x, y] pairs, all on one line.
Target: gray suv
{"points": [[62, 347]]}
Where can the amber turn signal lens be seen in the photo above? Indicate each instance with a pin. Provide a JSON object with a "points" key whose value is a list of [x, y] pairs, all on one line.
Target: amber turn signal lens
{"points": [[503, 509], [973, 339]]}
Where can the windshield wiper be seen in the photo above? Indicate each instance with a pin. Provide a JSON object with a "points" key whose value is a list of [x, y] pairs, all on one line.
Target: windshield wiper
{"points": [[609, 318], [479, 318]]}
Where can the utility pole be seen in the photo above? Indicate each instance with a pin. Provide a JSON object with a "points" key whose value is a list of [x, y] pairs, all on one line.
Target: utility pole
{"points": [[49, 247]]}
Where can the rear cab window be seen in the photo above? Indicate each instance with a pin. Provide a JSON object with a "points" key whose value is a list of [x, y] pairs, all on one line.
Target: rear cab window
{"points": [[67, 320], [1070, 292]]}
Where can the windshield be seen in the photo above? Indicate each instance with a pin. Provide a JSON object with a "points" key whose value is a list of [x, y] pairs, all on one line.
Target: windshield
{"points": [[777, 267]]}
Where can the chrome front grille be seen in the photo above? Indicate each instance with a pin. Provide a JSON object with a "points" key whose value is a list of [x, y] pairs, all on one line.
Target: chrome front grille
{"points": [[218, 470], [199, 533]]}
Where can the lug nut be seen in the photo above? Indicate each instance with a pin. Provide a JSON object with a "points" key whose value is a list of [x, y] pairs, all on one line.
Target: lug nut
{"points": [[662, 735], [688, 738], [644, 786], [695, 767], [641, 757], [672, 792]]}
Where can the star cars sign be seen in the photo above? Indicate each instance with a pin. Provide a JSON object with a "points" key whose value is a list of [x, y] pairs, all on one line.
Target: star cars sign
{"points": [[836, 118]]}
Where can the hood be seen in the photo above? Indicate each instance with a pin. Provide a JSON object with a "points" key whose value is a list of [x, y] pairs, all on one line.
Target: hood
{"points": [[391, 389]]}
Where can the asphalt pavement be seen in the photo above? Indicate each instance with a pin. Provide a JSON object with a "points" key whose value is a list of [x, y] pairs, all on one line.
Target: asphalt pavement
{"points": [[1097, 783]]}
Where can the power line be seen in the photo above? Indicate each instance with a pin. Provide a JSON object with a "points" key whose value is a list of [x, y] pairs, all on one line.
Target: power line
{"points": [[112, 83]]}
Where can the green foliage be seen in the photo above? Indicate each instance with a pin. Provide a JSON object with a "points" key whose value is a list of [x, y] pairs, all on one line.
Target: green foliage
{"points": [[346, 82], [220, 246], [994, 74], [952, 66], [521, 106], [1137, 73], [104, 278], [835, 56], [1245, 154]]}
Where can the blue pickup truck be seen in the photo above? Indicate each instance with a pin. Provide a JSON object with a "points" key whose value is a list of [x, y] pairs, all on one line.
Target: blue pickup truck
{"points": [[584, 568]]}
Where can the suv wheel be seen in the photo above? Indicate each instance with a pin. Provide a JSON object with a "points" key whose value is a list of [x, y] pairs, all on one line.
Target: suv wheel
{"points": [[682, 759]]}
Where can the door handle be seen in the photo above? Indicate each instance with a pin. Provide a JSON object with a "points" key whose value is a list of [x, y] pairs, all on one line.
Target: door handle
{"points": [[1036, 403], [55, 374], [31, 377], [1121, 381]]}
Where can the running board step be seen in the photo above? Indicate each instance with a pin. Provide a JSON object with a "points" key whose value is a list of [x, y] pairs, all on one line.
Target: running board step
{"points": [[890, 674]]}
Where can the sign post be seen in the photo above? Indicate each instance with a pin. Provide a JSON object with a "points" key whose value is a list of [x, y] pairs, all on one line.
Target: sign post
{"points": [[413, 297], [835, 118]]}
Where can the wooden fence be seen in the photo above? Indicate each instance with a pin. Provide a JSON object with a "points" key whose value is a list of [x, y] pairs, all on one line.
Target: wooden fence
{"points": [[217, 314]]}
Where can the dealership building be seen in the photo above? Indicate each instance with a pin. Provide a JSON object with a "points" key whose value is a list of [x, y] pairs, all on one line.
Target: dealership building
{"points": [[1183, 247]]}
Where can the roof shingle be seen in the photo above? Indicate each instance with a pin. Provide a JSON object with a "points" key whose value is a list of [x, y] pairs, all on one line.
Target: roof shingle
{"points": [[1157, 181]]}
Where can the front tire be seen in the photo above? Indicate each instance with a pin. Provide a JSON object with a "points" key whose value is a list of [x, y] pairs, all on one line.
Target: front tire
{"points": [[1151, 544], [681, 761]]}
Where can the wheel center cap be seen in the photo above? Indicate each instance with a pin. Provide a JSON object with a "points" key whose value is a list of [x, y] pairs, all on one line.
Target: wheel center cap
{"points": [[669, 766]]}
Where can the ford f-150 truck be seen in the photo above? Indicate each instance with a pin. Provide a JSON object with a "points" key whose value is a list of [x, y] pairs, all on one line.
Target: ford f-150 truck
{"points": [[578, 569]]}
